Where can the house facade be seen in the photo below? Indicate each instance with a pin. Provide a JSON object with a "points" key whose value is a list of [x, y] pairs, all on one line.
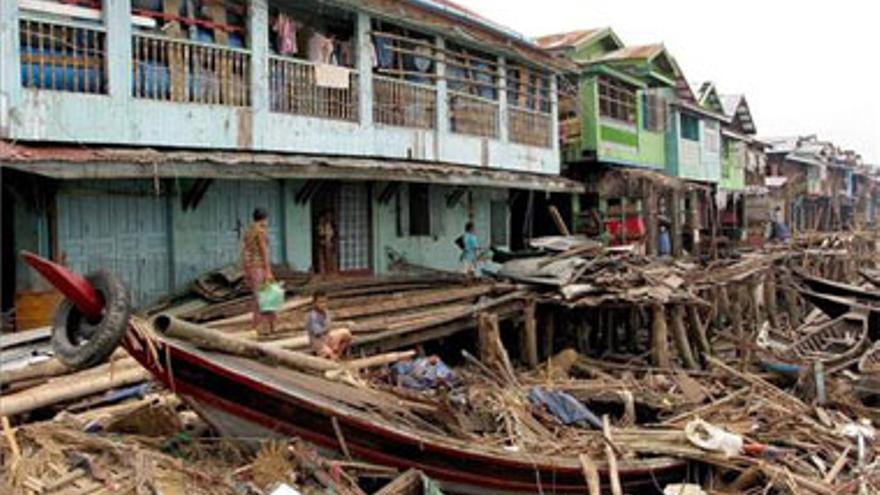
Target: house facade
{"points": [[140, 135], [613, 125]]}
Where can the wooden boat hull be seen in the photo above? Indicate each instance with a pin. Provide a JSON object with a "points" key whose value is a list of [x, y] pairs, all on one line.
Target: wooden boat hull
{"points": [[839, 340], [869, 363], [248, 400]]}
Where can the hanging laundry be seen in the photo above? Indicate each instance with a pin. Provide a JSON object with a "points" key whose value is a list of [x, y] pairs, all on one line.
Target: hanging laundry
{"points": [[285, 34], [345, 53], [384, 53], [332, 76], [320, 48]]}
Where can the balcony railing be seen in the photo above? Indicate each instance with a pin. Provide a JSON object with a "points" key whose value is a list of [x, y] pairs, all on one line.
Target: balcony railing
{"points": [[63, 55], [469, 114], [302, 88], [404, 103], [530, 127], [180, 70]]}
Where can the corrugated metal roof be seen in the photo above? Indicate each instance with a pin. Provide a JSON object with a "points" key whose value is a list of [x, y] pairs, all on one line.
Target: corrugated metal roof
{"points": [[640, 52], [570, 39], [76, 162]]}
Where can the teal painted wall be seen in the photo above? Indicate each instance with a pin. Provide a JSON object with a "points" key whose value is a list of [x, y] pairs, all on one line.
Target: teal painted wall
{"points": [[153, 244], [437, 250], [694, 160]]}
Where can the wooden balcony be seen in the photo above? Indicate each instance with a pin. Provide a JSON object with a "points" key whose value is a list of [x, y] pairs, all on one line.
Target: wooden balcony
{"points": [[63, 55], [179, 70], [303, 88], [404, 104]]}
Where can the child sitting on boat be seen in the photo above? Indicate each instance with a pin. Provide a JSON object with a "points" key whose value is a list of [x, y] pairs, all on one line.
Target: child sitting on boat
{"points": [[326, 343]]}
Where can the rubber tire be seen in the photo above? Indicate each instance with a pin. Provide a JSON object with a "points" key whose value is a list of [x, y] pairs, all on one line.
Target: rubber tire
{"points": [[103, 337]]}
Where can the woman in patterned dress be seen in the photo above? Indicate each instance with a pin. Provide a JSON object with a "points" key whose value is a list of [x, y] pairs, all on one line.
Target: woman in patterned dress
{"points": [[257, 270]]}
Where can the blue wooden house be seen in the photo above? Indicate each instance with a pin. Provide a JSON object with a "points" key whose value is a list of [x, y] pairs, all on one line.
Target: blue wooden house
{"points": [[139, 135]]}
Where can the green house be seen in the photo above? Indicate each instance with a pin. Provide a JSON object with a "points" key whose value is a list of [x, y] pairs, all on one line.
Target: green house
{"points": [[614, 111]]}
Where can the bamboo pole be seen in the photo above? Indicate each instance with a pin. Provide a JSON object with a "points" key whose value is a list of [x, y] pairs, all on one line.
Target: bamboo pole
{"points": [[611, 457], [591, 474], [216, 340], [100, 379], [48, 369]]}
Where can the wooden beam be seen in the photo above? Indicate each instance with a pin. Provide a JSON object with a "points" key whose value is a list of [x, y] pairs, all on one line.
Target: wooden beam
{"points": [[530, 335]]}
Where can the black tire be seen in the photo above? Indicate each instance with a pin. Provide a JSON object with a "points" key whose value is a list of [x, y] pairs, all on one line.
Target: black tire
{"points": [[80, 344]]}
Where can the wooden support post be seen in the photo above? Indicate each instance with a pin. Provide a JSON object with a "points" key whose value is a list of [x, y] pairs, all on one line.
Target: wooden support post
{"points": [[791, 305], [736, 320], [651, 218], [770, 298], [530, 336], [549, 331], [698, 331], [675, 221], [659, 337], [682, 341]]}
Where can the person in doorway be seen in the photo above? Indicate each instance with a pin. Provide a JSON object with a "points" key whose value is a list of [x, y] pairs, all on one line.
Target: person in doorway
{"points": [[326, 244], [664, 241], [257, 269], [325, 343], [469, 250]]}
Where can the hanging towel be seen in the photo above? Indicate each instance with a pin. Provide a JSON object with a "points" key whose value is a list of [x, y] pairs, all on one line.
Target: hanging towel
{"points": [[331, 76]]}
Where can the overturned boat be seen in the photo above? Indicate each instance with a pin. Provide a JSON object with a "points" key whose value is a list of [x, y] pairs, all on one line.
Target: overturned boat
{"points": [[251, 399]]}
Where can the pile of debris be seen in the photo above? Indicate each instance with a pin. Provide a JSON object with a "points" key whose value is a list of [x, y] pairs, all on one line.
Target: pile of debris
{"points": [[155, 445]]}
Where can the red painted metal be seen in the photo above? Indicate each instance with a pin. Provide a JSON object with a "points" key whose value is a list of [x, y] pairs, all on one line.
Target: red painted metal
{"points": [[71, 284]]}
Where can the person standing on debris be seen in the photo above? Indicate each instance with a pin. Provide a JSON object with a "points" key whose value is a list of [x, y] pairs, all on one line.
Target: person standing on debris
{"points": [[325, 343], [257, 270], [778, 229], [469, 246]]}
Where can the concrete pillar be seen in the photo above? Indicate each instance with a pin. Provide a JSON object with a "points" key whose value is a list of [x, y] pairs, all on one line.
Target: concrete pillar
{"points": [[442, 114], [504, 111], [554, 115], [117, 19], [365, 70], [258, 43], [10, 65]]}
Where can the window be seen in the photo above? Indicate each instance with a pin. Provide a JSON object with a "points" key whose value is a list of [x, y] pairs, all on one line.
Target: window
{"points": [[471, 72], [690, 127], [528, 88], [403, 53], [419, 210], [653, 112], [498, 214], [617, 100]]}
